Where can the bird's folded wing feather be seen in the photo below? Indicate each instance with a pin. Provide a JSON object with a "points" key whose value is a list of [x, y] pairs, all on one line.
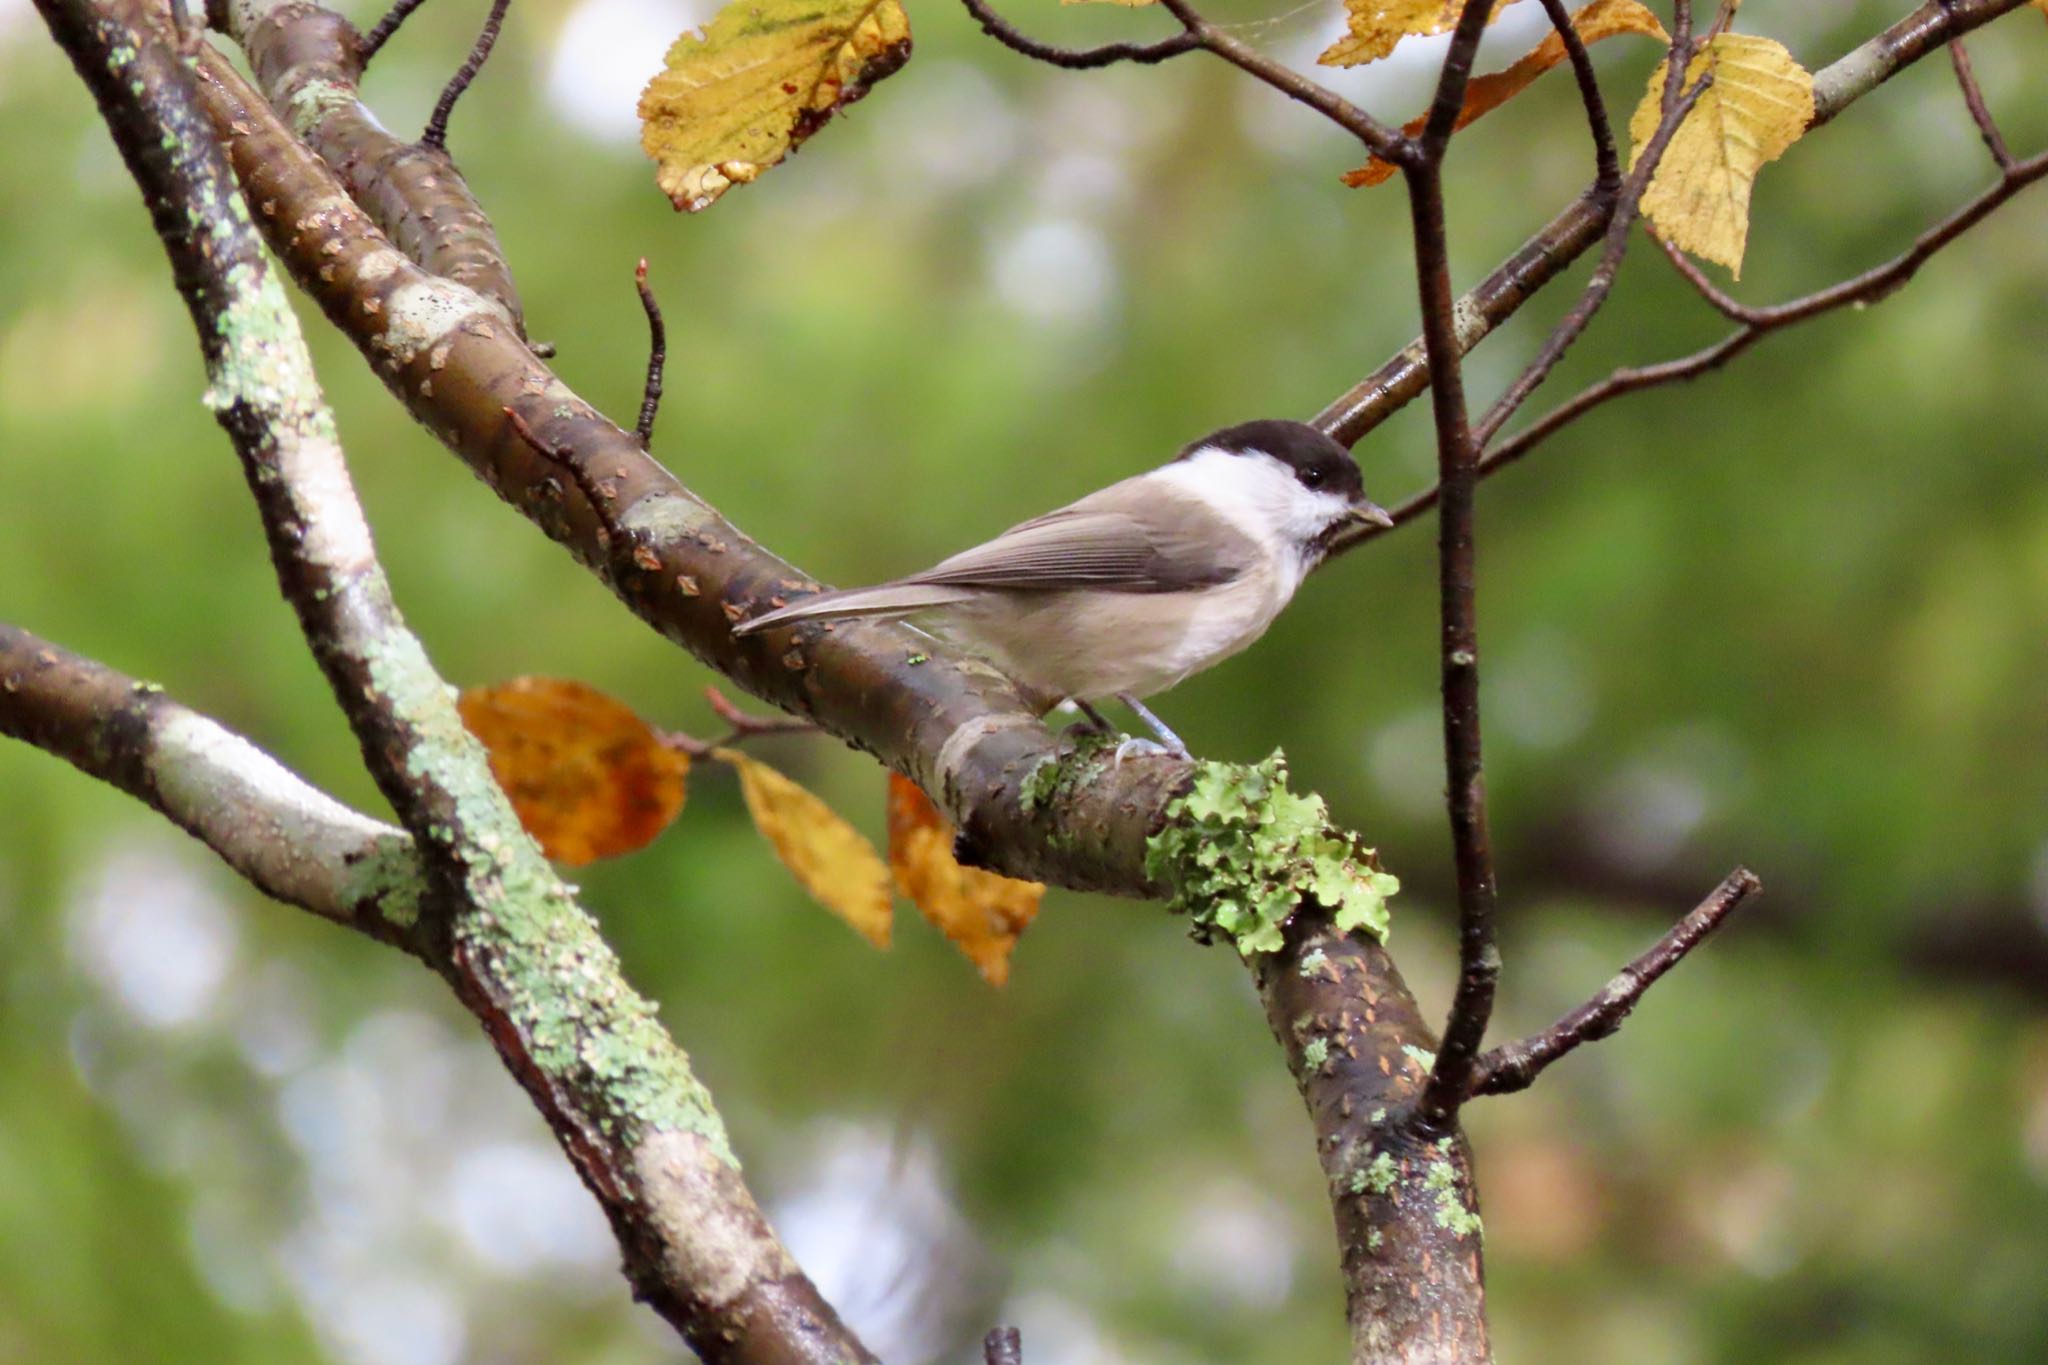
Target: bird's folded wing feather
{"points": [[1160, 542]]}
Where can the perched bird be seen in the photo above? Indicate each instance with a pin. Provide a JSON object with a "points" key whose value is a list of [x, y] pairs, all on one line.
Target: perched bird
{"points": [[1133, 588]]}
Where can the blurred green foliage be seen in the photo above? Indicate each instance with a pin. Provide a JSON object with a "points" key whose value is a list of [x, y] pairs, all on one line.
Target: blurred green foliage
{"points": [[1795, 615]]}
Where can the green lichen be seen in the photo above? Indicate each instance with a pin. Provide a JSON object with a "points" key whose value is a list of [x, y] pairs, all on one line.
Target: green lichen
{"points": [[557, 978], [1052, 780], [1316, 1053], [1314, 962], [1373, 1238], [1240, 850], [1421, 1056], [1377, 1176], [388, 879], [1441, 1179]]}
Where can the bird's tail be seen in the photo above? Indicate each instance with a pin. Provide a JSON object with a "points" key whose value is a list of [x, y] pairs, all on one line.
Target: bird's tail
{"points": [[889, 599]]}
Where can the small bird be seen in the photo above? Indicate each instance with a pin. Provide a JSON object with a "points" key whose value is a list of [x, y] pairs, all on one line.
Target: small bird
{"points": [[1135, 587]]}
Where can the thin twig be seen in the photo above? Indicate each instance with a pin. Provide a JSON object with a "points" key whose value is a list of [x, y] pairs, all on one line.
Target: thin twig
{"points": [[374, 40], [1003, 1346], [1513, 1066], [436, 134], [1607, 175], [1867, 288], [744, 726], [1722, 301], [565, 458], [1385, 141], [1078, 59], [657, 357], [1457, 582], [1601, 283], [1979, 110]]}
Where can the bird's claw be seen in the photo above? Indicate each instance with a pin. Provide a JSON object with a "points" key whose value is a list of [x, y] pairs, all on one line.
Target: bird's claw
{"points": [[1141, 748]]}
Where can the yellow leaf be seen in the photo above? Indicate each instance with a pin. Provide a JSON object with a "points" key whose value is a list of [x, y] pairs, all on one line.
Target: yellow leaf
{"points": [[1759, 104], [830, 858], [1601, 19], [764, 76], [1377, 25], [2041, 5], [982, 913], [587, 777]]}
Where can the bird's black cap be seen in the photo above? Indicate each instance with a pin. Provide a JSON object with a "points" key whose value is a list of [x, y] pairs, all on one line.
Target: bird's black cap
{"points": [[1318, 461]]}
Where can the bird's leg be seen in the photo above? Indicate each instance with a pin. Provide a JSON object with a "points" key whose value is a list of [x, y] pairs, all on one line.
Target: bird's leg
{"points": [[1095, 719], [1172, 740]]}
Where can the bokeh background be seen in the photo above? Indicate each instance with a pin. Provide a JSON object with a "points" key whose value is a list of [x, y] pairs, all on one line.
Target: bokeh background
{"points": [[1795, 615]]}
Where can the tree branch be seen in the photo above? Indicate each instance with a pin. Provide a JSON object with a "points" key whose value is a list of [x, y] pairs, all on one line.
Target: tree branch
{"points": [[657, 358], [1515, 1066], [508, 936], [436, 135], [1077, 59], [1457, 583], [1499, 296], [1607, 165], [1973, 98], [289, 840], [309, 60]]}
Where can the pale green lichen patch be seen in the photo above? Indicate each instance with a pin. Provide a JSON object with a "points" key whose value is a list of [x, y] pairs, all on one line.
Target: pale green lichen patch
{"points": [[1314, 962], [1377, 1176], [1421, 1056], [1240, 850], [1441, 1179], [1315, 1053], [390, 880], [1053, 780]]}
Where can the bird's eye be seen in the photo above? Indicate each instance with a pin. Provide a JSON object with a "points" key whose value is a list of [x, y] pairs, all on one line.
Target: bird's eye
{"points": [[1312, 477]]}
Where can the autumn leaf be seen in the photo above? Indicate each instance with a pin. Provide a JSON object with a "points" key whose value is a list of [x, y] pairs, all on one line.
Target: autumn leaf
{"points": [[2041, 5], [1378, 25], [830, 858], [762, 77], [982, 913], [1759, 104], [1601, 19], [588, 778]]}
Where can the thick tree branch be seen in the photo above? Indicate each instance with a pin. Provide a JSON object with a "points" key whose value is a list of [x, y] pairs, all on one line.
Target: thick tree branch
{"points": [[309, 61], [508, 936], [1515, 1066], [288, 839]]}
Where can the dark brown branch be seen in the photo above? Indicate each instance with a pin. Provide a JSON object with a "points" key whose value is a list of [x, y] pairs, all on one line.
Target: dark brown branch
{"points": [[436, 134], [1457, 585], [306, 59], [1980, 112], [1677, 105], [1514, 1066], [1078, 59], [657, 357], [373, 41], [1607, 164]]}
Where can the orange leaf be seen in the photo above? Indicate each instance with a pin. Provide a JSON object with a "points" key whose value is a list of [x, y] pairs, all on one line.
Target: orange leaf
{"points": [[982, 913], [1601, 19], [587, 777], [830, 858]]}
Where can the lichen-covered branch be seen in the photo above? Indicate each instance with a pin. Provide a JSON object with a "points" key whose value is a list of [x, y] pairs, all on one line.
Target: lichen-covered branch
{"points": [[507, 935], [288, 839]]}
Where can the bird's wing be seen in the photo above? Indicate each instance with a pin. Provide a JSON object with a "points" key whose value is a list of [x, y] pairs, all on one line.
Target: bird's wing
{"points": [[1118, 540]]}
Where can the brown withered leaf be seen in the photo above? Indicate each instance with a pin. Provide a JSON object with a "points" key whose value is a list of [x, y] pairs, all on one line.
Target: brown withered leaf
{"points": [[761, 78], [587, 777], [981, 912], [1377, 26], [1601, 19], [1759, 104], [830, 858]]}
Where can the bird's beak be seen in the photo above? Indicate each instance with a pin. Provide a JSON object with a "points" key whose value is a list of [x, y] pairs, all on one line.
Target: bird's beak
{"points": [[1371, 514]]}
